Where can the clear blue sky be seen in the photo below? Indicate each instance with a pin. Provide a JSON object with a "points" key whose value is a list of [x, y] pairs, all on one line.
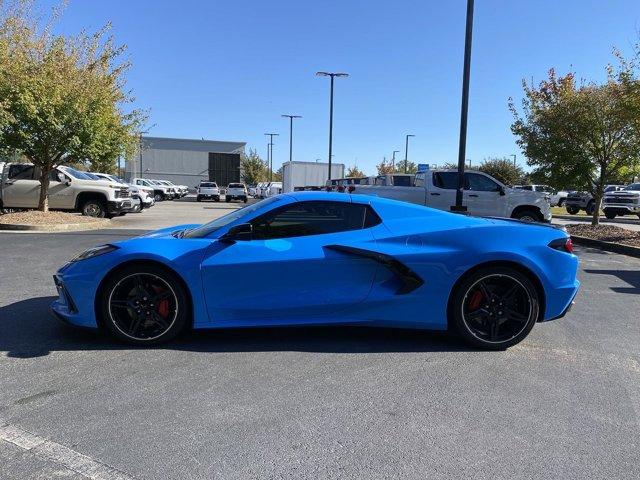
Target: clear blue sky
{"points": [[227, 70]]}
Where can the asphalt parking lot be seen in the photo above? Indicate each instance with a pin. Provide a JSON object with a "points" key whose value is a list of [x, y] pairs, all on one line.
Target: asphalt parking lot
{"points": [[315, 402]]}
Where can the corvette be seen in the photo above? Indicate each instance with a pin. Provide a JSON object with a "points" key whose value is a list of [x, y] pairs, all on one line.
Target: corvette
{"points": [[319, 258]]}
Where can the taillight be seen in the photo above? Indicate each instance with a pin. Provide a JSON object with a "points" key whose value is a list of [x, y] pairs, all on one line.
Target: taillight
{"points": [[563, 244]]}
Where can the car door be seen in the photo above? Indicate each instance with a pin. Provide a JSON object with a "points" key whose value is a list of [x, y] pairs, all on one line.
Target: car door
{"points": [[21, 189], [483, 196], [60, 191], [285, 273], [441, 194]]}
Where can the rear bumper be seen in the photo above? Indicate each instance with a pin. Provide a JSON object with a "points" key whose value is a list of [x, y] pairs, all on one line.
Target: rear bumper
{"points": [[560, 302]]}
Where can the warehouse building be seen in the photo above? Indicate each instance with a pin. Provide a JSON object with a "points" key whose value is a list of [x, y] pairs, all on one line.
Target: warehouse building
{"points": [[186, 161]]}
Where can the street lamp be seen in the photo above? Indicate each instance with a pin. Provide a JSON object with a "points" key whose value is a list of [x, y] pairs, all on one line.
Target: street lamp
{"points": [[140, 147], [332, 75], [291, 117], [464, 109], [270, 153], [406, 151], [514, 158], [393, 161]]}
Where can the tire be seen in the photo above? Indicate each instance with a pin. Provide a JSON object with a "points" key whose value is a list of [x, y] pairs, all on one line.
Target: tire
{"points": [[153, 288], [504, 289], [198, 198], [527, 216], [94, 208], [244, 199], [137, 208], [158, 197], [227, 199], [590, 208], [560, 202], [217, 199], [610, 214], [571, 210]]}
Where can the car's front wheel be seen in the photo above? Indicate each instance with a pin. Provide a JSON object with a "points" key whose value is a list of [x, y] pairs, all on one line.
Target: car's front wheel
{"points": [[94, 208], [494, 308], [571, 210], [143, 305]]}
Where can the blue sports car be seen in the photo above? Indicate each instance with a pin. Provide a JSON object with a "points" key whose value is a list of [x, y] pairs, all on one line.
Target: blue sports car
{"points": [[317, 258]]}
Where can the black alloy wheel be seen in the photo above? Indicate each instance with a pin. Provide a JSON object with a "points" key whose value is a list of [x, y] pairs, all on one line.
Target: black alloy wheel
{"points": [[144, 305], [495, 308]]}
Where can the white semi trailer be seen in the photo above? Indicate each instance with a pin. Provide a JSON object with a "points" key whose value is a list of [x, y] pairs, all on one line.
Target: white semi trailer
{"points": [[308, 174]]}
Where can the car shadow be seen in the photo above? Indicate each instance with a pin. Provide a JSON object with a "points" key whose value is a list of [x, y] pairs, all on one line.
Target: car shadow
{"points": [[632, 277], [28, 330]]}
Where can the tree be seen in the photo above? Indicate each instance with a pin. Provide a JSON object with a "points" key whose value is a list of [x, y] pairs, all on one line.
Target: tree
{"points": [[385, 167], [62, 99], [354, 171], [254, 169], [411, 167], [502, 169], [584, 135]]}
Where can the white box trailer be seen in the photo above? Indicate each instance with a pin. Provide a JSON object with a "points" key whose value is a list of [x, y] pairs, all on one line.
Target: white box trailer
{"points": [[308, 174]]}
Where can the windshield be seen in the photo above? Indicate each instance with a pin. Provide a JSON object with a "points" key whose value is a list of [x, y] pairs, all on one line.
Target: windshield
{"points": [[208, 228], [78, 174], [633, 186]]}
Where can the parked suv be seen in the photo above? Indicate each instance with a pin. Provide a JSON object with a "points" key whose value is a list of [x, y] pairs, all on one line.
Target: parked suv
{"points": [[69, 189], [160, 192], [207, 190], [577, 201], [236, 191], [622, 202]]}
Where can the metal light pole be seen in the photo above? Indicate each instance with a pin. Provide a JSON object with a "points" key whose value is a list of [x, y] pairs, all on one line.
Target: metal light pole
{"points": [[406, 151], [514, 159], [393, 160], [464, 109], [291, 117], [270, 160], [332, 75]]}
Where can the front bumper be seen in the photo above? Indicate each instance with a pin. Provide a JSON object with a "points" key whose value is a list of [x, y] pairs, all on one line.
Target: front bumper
{"points": [[118, 206], [622, 208], [74, 305]]}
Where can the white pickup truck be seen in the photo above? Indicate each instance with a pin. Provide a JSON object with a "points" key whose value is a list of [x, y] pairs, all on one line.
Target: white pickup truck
{"points": [[483, 195], [69, 189], [622, 202]]}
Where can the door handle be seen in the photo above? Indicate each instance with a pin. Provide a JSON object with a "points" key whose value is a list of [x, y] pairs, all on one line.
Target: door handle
{"points": [[433, 193], [473, 195]]}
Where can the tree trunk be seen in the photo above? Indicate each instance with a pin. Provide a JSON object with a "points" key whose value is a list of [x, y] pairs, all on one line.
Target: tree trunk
{"points": [[597, 200], [43, 201]]}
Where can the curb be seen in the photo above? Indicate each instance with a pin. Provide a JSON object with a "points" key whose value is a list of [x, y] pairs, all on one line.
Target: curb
{"points": [[582, 219], [55, 227], [607, 246]]}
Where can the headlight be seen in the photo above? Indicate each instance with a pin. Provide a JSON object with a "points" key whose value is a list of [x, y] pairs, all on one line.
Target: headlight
{"points": [[94, 252], [111, 185]]}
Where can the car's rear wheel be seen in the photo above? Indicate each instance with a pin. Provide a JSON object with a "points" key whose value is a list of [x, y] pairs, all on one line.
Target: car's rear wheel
{"points": [[143, 305], [495, 308]]}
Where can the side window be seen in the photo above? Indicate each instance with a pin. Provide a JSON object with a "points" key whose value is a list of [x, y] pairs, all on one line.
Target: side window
{"points": [[311, 218], [479, 183], [445, 180], [402, 180], [21, 171]]}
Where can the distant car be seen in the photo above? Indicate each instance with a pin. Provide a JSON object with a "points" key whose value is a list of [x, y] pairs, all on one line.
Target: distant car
{"points": [[206, 191], [140, 192], [330, 259], [180, 190], [577, 201], [236, 191], [622, 202], [272, 188], [556, 198], [160, 192]]}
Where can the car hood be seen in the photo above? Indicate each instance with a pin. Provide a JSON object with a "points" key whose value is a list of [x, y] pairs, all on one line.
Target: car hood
{"points": [[168, 231]]}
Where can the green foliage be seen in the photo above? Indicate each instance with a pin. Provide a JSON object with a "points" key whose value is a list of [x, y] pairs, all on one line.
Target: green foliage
{"points": [[584, 136], [354, 171], [502, 169], [62, 98], [411, 167], [253, 168]]}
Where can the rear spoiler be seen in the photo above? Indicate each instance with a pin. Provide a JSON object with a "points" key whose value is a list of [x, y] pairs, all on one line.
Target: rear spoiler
{"points": [[562, 228]]}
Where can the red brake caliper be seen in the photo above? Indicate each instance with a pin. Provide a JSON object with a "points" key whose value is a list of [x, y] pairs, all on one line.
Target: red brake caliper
{"points": [[163, 305], [475, 300]]}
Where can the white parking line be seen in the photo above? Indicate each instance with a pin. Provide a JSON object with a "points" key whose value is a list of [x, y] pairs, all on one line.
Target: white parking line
{"points": [[60, 454]]}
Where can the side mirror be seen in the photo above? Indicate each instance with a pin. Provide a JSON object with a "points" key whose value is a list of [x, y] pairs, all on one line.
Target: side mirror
{"points": [[244, 231], [501, 190]]}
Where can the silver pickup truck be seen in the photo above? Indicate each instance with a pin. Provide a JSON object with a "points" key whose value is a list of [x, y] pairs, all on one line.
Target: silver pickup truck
{"points": [[483, 195], [622, 202], [69, 189]]}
